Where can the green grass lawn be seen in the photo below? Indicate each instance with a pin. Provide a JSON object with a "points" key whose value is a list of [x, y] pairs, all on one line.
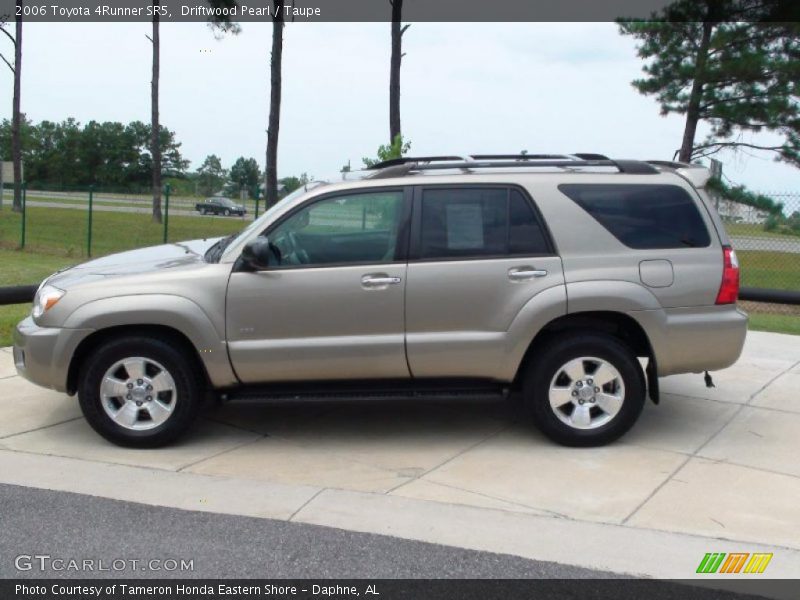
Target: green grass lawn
{"points": [[23, 268], [63, 232], [778, 270], [57, 238], [754, 230], [775, 323]]}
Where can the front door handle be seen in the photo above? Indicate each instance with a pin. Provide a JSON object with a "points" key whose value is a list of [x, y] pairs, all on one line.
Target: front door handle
{"points": [[525, 273], [380, 280]]}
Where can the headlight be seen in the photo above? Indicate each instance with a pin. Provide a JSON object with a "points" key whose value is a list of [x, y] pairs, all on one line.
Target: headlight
{"points": [[45, 299]]}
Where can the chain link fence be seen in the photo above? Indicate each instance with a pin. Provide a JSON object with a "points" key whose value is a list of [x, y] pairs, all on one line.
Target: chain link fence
{"points": [[767, 242], [84, 223]]}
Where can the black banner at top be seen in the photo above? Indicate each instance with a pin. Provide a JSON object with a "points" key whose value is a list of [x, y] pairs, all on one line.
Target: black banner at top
{"points": [[243, 11]]}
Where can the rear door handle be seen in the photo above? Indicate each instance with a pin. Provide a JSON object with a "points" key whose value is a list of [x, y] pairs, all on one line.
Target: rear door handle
{"points": [[379, 281], [525, 273]]}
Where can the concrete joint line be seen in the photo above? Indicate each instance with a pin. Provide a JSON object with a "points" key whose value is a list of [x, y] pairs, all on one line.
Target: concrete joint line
{"points": [[220, 453], [452, 458], [771, 381], [306, 503], [11, 435]]}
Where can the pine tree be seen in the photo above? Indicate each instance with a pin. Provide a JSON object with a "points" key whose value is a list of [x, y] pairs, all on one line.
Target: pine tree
{"points": [[728, 63]]}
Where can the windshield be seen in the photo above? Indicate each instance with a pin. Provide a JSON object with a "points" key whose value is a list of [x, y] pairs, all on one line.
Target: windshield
{"points": [[214, 253]]}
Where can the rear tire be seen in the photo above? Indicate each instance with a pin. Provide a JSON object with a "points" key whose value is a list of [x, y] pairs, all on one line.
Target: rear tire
{"points": [[584, 389], [140, 392]]}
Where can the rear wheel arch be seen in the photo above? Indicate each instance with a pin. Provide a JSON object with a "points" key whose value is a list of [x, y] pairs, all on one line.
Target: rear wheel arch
{"points": [[618, 325], [587, 389]]}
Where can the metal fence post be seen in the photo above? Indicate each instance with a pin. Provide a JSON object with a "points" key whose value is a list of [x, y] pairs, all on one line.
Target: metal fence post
{"points": [[166, 212], [89, 232], [24, 198]]}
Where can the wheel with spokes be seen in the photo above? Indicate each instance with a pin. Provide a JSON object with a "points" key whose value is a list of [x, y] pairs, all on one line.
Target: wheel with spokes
{"points": [[139, 391], [585, 390]]}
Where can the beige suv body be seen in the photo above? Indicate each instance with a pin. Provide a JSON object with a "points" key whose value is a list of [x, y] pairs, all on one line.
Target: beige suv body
{"points": [[426, 275]]}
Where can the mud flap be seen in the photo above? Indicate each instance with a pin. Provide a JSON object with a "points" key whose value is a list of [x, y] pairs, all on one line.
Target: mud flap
{"points": [[652, 380]]}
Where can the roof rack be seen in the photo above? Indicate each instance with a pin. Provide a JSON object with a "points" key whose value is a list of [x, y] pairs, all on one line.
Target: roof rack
{"points": [[397, 167], [671, 164]]}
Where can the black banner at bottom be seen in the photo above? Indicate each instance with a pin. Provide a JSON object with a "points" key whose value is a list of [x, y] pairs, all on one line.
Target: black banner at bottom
{"points": [[389, 589]]}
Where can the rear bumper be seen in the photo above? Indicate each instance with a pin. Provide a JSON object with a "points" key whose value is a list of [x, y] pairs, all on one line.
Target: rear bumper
{"points": [[42, 355], [695, 339]]}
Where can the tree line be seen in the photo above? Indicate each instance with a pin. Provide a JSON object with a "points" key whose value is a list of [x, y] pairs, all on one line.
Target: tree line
{"points": [[734, 64], [115, 156], [111, 155]]}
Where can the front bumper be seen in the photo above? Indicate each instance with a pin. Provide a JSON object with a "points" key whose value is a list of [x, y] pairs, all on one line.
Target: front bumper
{"points": [[42, 355]]}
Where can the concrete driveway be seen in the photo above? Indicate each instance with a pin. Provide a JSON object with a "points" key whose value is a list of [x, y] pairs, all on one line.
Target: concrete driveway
{"points": [[708, 470]]}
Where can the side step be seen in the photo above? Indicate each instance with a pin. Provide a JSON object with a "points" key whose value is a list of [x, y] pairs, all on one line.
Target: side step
{"points": [[370, 391]]}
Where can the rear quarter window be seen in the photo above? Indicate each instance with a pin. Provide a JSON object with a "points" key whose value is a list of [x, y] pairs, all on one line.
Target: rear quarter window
{"points": [[643, 216]]}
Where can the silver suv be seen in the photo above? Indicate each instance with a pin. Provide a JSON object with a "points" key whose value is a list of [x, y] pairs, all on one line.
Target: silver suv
{"points": [[550, 276]]}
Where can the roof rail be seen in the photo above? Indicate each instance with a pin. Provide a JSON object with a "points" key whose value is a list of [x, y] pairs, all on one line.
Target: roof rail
{"points": [[474, 157], [392, 162], [698, 175], [671, 164], [397, 167]]}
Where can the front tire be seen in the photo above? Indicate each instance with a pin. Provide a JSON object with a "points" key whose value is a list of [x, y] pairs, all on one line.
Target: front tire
{"points": [[139, 392], [584, 389]]}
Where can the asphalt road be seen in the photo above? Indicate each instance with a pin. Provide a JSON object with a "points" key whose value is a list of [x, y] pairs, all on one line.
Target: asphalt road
{"points": [[776, 244], [173, 211], [67, 525]]}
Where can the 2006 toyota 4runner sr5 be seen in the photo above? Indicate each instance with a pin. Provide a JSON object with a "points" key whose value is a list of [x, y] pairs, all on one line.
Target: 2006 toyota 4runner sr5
{"points": [[548, 276]]}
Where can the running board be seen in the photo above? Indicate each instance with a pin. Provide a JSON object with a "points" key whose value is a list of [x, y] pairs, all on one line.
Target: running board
{"points": [[370, 390]]}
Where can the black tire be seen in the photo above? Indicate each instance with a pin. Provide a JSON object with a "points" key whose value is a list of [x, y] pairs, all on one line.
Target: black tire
{"points": [[188, 381], [557, 352]]}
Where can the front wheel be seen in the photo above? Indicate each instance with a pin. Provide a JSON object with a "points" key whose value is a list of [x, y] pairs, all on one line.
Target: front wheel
{"points": [[226, 212], [584, 389], [139, 392]]}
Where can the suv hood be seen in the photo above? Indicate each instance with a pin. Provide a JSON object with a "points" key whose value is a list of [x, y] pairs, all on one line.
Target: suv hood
{"points": [[178, 255]]}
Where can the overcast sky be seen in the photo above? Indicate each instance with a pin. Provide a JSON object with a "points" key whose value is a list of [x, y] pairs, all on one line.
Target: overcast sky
{"points": [[480, 88]]}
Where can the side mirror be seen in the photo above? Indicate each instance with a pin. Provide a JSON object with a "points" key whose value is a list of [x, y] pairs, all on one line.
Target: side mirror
{"points": [[257, 254]]}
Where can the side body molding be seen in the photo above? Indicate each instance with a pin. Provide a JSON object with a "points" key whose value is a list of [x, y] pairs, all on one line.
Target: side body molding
{"points": [[176, 312]]}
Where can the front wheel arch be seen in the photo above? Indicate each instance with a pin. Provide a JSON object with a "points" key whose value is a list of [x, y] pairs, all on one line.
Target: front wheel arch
{"points": [[102, 336]]}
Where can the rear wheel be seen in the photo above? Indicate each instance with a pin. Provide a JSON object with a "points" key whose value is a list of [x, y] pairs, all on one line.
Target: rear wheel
{"points": [[139, 392], [226, 212], [585, 389]]}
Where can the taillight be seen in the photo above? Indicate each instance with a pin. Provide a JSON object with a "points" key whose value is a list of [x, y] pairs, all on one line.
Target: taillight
{"points": [[729, 288]]}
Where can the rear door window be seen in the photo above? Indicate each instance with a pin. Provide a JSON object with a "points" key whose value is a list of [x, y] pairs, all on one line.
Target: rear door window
{"points": [[643, 216], [479, 222]]}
